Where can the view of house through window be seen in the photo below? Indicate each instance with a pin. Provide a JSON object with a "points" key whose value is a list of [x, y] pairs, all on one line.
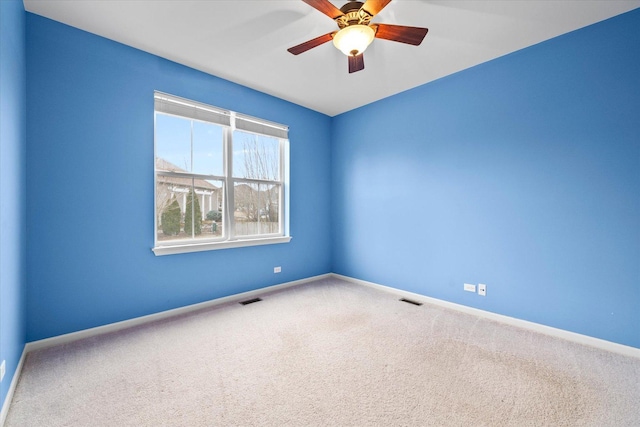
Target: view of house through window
{"points": [[219, 175]]}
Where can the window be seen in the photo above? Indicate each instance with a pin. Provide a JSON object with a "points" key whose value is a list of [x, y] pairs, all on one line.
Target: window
{"points": [[219, 178]]}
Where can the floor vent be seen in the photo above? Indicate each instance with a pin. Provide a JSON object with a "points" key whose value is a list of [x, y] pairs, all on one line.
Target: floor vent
{"points": [[410, 301], [250, 301]]}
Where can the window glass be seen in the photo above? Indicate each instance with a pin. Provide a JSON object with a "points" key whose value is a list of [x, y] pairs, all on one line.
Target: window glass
{"points": [[173, 142], [256, 209], [207, 148], [256, 156]]}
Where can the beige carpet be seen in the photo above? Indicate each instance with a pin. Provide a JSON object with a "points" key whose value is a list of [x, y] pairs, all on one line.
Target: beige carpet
{"points": [[326, 353]]}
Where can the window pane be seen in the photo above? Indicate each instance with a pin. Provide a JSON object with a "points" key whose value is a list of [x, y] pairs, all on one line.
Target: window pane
{"points": [[209, 194], [256, 156], [173, 143], [256, 209], [270, 214], [246, 208], [180, 215], [171, 201], [207, 148]]}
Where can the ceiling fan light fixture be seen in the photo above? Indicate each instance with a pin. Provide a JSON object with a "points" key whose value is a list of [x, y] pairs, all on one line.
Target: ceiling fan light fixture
{"points": [[354, 39]]}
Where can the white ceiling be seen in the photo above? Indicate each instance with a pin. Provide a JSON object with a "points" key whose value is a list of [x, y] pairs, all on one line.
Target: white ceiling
{"points": [[246, 41]]}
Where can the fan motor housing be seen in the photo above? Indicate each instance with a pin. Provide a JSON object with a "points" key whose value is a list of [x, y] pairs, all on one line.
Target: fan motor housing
{"points": [[353, 15]]}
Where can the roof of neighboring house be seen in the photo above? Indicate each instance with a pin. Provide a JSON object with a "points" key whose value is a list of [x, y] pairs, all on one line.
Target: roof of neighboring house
{"points": [[162, 164]]}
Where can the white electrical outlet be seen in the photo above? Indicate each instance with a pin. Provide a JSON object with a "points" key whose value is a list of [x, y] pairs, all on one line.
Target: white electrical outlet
{"points": [[277, 269], [469, 288], [482, 289], [3, 367]]}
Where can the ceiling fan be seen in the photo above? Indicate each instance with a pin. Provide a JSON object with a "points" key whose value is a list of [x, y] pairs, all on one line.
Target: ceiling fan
{"points": [[356, 30]]}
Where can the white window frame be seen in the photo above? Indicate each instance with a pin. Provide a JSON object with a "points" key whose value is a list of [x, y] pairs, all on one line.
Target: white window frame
{"points": [[230, 121]]}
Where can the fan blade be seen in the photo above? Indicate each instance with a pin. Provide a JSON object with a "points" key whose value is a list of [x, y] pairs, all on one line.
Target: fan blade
{"points": [[325, 7], [356, 63], [400, 33], [303, 47], [373, 7]]}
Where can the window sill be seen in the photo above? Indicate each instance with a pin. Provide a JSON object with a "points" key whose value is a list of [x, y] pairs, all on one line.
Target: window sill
{"points": [[212, 246]]}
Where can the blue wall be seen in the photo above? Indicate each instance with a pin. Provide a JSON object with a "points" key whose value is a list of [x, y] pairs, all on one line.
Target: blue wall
{"points": [[90, 186], [12, 187], [522, 173]]}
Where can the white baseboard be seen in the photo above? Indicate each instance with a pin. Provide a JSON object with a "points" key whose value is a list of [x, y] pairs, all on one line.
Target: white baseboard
{"points": [[113, 327], [12, 388], [525, 324]]}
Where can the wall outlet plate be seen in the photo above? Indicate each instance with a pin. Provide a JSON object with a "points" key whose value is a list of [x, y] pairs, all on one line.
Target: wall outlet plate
{"points": [[482, 289], [277, 269], [469, 288]]}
